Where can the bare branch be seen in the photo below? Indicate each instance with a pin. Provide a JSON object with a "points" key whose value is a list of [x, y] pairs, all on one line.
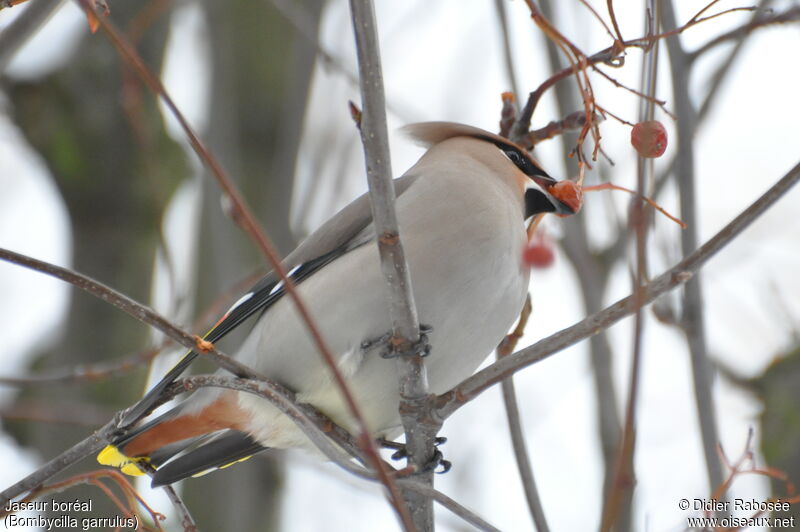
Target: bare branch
{"points": [[107, 294], [693, 320], [459, 510], [614, 21], [319, 425], [524, 465], [452, 400], [94, 478], [315, 425], [758, 21], [63, 413], [402, 310], [375, 138], [282, 398], [571, 122], [619, 499], [580, 63], [739, 35], [592, 273], [308, 419], [508, 55], [87, 373], [132, 361], [77, 452], [187, 521], [17, 34]]}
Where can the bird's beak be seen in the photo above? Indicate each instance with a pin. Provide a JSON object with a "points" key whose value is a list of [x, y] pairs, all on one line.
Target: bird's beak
{"points": [[566, 200]]}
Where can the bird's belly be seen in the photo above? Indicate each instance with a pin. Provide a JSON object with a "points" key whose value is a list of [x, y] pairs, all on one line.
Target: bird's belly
{"points": [[469, 295]]}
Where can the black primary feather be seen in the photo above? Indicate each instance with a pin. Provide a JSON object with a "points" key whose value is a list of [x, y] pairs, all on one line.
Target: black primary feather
{"points": [[230, 447], [264, 295]]}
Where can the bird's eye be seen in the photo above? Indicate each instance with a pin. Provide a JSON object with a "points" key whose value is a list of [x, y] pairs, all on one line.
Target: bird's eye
{"points": [[524, 163], [514, 157]]}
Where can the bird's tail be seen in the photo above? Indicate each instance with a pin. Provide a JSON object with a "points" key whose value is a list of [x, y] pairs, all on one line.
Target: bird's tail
{"points": [[210, 437]]}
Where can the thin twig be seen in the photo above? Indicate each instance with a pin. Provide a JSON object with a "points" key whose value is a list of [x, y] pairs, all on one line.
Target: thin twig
{"points": [[283, 397], [619, 499], [94, 478], [739, 34], [508, 55], [597, 16], [319, 429], [107, 294], [614, 21], [315, 425], [580, 62], [758, 21], [86, 373], [308, 419], [62, 413], [571, 122], [719, 76], [187, 521], [524, 465], [693, 319], [450, 401], [315, 422], [593, 271], [77, 452], [461, 511], [413, 381], [132, 361], [13, 37]]}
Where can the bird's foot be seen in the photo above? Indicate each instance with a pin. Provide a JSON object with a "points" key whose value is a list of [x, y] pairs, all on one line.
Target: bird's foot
{"points": [[401, 452], [390, 348]]}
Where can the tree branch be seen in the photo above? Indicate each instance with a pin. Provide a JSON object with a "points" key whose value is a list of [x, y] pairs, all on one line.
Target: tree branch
{"points": [[282, 398], [306, 417], [739, 35], [692, 321], [619, 498], [465, 513], [508, 56], [80, 450], [592, 271], [413, 379], [524, 466], [758, 21], [320, 430], [27, 23], [187, 521]]}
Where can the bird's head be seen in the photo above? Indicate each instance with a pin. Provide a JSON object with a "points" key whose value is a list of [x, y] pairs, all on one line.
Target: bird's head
{"points": [[511, 160]]}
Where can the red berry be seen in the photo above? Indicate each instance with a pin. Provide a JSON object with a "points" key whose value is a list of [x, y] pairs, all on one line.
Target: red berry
{"points": [[538, 254], [649, 138]]}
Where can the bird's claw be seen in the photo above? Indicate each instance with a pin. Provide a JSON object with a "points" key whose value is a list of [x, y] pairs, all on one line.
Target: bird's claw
{"points": [[421, 347], [436, 461]]}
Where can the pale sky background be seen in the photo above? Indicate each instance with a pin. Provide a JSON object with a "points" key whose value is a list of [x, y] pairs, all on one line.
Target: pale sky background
{"points": [[443, 61]]}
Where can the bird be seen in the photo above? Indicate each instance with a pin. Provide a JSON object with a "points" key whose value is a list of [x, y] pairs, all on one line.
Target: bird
{"points": [[461, 211]]}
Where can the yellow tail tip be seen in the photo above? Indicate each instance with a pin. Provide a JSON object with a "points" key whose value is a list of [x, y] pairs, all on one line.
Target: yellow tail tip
{"points": [[111, 456], [131, 470]]}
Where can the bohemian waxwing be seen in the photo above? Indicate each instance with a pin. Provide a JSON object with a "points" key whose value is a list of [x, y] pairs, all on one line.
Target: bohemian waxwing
{"points": [[461, 211]]}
